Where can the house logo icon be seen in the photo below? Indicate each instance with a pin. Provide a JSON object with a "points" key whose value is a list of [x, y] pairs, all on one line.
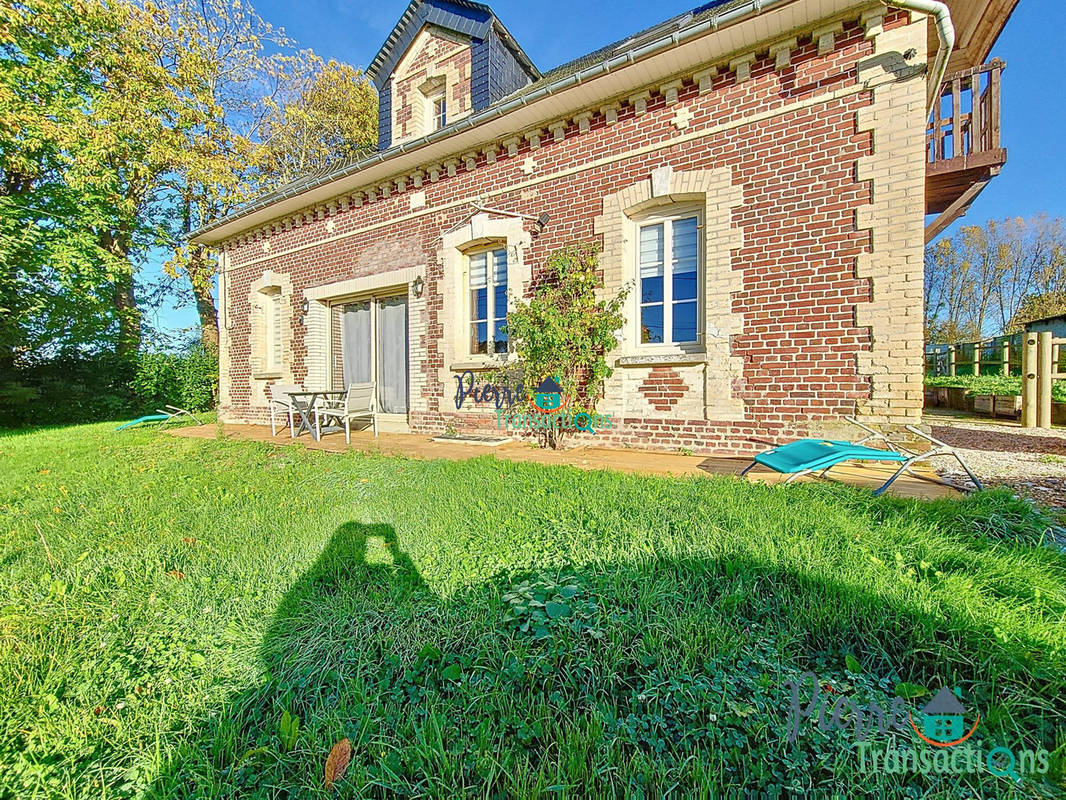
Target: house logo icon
{"points": [[549, 395], [943, 722]]}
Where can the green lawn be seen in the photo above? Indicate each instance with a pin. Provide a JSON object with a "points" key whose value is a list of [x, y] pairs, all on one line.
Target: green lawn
{"points": [[491, 629]]}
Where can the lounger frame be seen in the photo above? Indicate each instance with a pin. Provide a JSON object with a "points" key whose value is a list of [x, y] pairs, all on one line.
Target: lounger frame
{"points": [[939, 449]]}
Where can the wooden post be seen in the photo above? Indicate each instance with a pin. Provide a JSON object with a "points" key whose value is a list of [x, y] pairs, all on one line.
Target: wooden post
{"points": [[978, 346], [1044, 371], [1006, 358], [951, 360], [993, 114], [1029, 366], [956, 118]]}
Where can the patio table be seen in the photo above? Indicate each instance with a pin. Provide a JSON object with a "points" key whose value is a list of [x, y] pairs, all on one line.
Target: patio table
{"points": [[304, 405]]}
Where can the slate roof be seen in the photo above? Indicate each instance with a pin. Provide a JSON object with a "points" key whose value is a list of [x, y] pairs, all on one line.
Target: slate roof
{"points": [[646, 36], [461, 16], [343, 167], [549, 386]]}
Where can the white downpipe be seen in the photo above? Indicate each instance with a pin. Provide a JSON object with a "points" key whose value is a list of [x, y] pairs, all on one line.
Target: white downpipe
{"points": [[945, 30]]}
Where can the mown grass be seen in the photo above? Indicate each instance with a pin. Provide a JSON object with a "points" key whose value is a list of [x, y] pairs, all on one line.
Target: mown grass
{"points": [[167, 601]]}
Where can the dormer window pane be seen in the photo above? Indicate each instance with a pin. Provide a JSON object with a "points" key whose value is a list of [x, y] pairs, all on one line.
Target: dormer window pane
{"points": [[440, 112]]}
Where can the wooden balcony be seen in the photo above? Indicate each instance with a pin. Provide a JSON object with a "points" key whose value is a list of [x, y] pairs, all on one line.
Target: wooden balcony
{"points": [[963, 147]]}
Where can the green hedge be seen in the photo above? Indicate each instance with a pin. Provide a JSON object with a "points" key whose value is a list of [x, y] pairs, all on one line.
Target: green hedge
{"points": [[90, 388], [189, 380], [990, 384]]}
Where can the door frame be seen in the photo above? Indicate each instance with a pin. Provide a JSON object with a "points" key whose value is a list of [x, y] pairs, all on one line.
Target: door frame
{"points": [[390, 423]]}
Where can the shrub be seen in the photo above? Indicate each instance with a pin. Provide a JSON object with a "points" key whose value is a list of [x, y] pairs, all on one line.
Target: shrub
{"points": [[65, 389], [566, 332], [990, 384], [89, 388], [189, 380]]}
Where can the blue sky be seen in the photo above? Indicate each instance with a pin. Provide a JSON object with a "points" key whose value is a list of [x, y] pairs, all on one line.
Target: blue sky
{"points": [[554, 31]]}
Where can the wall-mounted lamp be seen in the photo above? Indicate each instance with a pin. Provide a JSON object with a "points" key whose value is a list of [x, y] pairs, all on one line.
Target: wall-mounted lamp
{"points": [[540, 221], [417, 285], [304, 307]]}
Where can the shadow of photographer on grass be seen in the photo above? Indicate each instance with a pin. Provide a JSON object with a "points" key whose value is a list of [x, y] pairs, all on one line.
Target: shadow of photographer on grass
{"points": [[581, 682]]}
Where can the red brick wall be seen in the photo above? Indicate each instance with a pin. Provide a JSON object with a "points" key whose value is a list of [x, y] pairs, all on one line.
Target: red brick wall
{"points": [[800, 244]]}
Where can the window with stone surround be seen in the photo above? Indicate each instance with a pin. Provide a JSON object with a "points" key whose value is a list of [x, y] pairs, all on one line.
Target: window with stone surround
{"points": [[487, 277], [272, 339], [434, 100], [669, 275], [440, 111], [509, 273]]}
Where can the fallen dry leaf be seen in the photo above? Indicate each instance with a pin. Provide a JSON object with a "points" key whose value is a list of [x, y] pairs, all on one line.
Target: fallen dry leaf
{"points": [[337, 762], [176, 573], [188, 540]]}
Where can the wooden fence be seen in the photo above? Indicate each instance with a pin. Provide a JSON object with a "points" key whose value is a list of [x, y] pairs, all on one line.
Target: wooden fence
{"points": [[1000, 355], [1041, 367], [1037, 357]]}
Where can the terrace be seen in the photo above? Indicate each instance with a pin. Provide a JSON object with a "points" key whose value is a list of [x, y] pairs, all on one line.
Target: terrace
{"points": [[922, 484]]}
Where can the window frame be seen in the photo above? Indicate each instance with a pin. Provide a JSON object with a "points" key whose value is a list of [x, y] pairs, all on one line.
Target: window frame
{"points": [[666, 215], [273, 334], [490, 298], [438, 116]]}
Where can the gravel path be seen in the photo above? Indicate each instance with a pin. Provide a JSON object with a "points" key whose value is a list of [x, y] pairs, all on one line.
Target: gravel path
{"points": [[1032, 462]]}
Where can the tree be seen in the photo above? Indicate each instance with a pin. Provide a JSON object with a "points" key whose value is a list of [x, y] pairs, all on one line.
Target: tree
{"points": [[54, 290], [565, 331], [978, 281], [140, 110], [242, 62], [951, 290], [124, 125], [330, 117], [1037, 306], [277, 112]]}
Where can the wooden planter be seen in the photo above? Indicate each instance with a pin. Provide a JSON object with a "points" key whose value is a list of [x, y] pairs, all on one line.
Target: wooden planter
{"points": [[998, 405]]}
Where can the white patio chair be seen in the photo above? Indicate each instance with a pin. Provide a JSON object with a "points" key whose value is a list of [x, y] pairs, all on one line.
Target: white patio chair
{"points": [[280, 403], [358, 403]]}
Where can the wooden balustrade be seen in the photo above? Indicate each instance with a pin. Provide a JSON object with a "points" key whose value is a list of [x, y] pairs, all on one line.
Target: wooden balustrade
{"points": [[971, 126], [964, 150]]}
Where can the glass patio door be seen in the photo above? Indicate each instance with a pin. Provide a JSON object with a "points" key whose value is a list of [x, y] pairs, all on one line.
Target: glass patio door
{"points": [[374, 348], [391, 330]]}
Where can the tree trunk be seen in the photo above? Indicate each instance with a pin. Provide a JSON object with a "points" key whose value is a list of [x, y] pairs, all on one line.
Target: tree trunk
{"points": [[129, 318], [201, 272], [118, 244], [205, 307]]}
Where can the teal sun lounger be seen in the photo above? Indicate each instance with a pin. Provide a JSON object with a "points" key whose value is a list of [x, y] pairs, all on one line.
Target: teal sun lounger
{"points": [[162, 416], [808, 456]]}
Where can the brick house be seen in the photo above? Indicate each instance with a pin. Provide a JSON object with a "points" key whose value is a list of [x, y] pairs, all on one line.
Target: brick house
{"points": [[760, 172]]}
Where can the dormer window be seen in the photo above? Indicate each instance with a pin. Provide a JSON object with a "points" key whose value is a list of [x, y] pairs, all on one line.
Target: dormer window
{"points": [[440, 111], [434, 104], [444, 61]]}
